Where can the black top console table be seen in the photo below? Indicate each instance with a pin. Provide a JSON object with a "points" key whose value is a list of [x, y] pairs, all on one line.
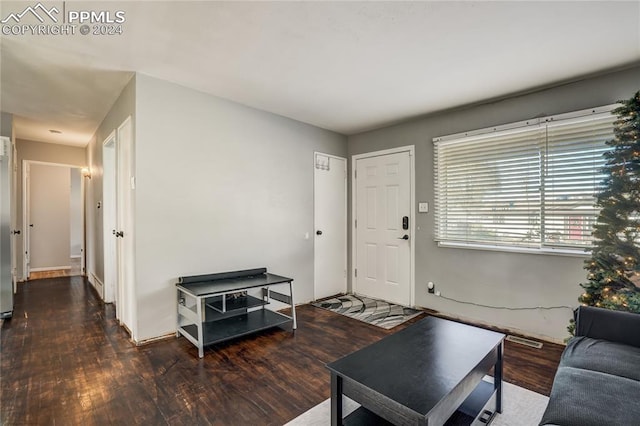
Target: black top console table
{"points": [[217, 307]]}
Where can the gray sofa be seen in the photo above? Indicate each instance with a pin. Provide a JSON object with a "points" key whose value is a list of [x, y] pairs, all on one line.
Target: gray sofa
{"points": [[598, 380]]}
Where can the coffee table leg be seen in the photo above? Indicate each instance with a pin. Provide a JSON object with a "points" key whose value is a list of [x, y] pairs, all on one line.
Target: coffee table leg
{"points": [[336, 400], [498, 379]]}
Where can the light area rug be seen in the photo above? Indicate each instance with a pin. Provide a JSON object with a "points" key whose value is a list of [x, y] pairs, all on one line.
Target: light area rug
{"points": [[521, 407], [373, 311]]}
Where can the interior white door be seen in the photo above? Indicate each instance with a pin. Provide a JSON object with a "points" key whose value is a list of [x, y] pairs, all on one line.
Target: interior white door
{"points": [[109, 220], [15, 232], [330, 217], [124, 221], [49, 217], [6, 285], [383, 221]]}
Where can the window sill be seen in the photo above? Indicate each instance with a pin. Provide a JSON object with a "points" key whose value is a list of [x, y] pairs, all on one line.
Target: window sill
{"points": [[521, 250]]}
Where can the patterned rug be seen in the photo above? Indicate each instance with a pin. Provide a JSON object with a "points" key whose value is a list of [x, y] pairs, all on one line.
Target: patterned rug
{"points": [[377, 312]]}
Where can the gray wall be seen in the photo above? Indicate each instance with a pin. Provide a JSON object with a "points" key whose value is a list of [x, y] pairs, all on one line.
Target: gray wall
{"points": [[485, 277], [122, 108], [219, 186], [47, 152], [6, 125]]}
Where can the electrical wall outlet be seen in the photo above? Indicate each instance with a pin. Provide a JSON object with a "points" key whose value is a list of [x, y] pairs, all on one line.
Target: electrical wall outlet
{"points": [[431, 287]]}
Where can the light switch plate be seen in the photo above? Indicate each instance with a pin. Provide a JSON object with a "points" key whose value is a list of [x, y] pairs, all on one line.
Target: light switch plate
{"points": [[423, 207]]}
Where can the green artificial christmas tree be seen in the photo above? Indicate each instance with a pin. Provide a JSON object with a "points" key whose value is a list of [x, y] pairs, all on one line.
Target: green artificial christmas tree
{"points": [[614, 267]]}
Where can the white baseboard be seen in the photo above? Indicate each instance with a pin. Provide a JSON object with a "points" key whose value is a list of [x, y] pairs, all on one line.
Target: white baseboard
{"points": [[155, 339], [49, 268], [97, 284]]}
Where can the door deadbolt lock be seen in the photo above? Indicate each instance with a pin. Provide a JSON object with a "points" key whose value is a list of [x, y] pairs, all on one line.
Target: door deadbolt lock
{"points": [[405, 222]]}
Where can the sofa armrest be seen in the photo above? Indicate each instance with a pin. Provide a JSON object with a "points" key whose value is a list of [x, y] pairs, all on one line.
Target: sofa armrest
{"points": [[614, 326]]}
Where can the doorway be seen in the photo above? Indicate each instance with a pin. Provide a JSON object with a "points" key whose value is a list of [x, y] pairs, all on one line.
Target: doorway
{"points": [[118, 184], [53, 220], [383, 230], [330, 221]]}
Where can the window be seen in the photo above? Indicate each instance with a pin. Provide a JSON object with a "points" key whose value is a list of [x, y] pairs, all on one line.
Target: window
{"points": [[528, 185]]}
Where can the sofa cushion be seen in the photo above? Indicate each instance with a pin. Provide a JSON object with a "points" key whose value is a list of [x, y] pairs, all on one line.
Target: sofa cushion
{"points": [[606, 324], [591, 398], [601, 355]]}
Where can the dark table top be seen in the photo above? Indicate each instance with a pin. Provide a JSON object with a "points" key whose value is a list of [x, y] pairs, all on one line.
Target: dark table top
{"points": [[232, 284], [420, 365]]}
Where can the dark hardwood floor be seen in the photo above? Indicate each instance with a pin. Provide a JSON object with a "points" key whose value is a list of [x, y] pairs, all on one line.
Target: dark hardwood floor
{"points": [[65, 360]]}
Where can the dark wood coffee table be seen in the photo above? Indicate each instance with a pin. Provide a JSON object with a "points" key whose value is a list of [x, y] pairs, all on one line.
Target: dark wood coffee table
{"points": [[430, 373]]}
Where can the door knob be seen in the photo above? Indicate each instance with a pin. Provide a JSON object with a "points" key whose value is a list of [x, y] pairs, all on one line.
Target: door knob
{"points": [[16, 232], [404, 237], [119, 234], [318, 232]]}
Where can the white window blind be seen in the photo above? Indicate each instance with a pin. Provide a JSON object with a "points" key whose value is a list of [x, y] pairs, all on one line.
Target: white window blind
{"points": [[527, 185]]}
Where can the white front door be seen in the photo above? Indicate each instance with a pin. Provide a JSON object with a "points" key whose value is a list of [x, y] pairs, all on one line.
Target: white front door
{"points": [[383, 227], [330, 218]]}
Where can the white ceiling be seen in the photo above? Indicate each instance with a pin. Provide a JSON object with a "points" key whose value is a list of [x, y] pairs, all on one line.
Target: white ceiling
{"points": [[343, 66]]}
